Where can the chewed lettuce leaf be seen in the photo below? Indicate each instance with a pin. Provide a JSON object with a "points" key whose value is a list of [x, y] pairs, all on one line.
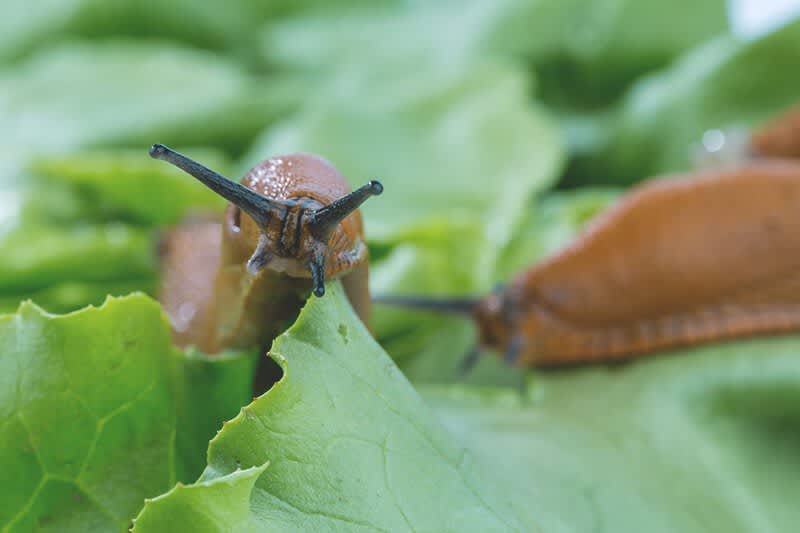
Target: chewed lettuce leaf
{"points": [[350, 446]]}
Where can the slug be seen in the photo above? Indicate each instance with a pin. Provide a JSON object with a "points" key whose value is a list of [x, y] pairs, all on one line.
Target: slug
{"points": [[678, 260], [292, 223], [777, 138]]}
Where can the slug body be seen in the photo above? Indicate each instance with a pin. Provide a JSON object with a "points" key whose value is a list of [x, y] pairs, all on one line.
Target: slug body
{"points": [[292, 223], [678, 260]]}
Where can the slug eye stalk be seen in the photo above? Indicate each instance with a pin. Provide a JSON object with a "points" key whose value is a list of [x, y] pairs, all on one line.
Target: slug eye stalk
{"points": [[257, 206]]}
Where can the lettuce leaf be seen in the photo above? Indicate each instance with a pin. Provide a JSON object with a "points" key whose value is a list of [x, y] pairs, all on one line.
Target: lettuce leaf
{"points": [[99, 411], [698, 440], [349, 446]]}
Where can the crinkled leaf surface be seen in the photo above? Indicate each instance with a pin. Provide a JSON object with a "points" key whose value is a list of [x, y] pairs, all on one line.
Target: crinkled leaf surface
{"points": [[704, 440], [99, 412], [350, 446], [724, 84]]}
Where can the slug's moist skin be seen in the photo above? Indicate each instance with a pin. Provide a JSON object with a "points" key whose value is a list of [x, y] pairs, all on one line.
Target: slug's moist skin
{"points": [[292, 223]]}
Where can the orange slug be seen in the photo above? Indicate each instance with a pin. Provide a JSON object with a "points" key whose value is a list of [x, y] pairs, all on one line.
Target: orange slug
{"points": [[678, 260], [292, 223]]}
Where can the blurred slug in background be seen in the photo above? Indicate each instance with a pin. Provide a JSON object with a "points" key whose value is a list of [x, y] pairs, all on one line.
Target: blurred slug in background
{"points": [[292, 223], [777, 138], [679, 260]]}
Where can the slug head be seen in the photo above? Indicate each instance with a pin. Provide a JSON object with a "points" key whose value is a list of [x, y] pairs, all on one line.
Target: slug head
{"points": [[497, 316], [293, 224]]}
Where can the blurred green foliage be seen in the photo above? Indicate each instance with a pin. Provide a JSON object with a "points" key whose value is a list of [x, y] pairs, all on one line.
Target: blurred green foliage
{"points": [[475, 114]]}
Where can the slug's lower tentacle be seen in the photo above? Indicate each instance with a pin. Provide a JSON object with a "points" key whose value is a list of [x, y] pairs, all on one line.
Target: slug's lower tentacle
{"points": [[317, 268], [514, 350], [261, 256], [469, 361]]}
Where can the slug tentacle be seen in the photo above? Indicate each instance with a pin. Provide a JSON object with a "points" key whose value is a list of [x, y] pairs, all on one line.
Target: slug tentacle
{"points": [[470, 360], [261, 256], [514, 349], [252, 203], [325, 219], [454, 306], [317, 268]]}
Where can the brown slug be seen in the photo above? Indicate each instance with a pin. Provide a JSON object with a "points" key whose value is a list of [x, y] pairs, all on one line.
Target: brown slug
{"points": [[292, 223], [678, 260]]}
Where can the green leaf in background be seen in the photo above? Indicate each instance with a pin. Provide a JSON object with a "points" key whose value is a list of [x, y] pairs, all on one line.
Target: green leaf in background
{"points": [[325, 41], [77, 95], [597, 46], [133, 185], [588, 51], [724, 84], [703, 440], [100, 411], [38, 256], [23, 28], [350, 446], [433, 140]]}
